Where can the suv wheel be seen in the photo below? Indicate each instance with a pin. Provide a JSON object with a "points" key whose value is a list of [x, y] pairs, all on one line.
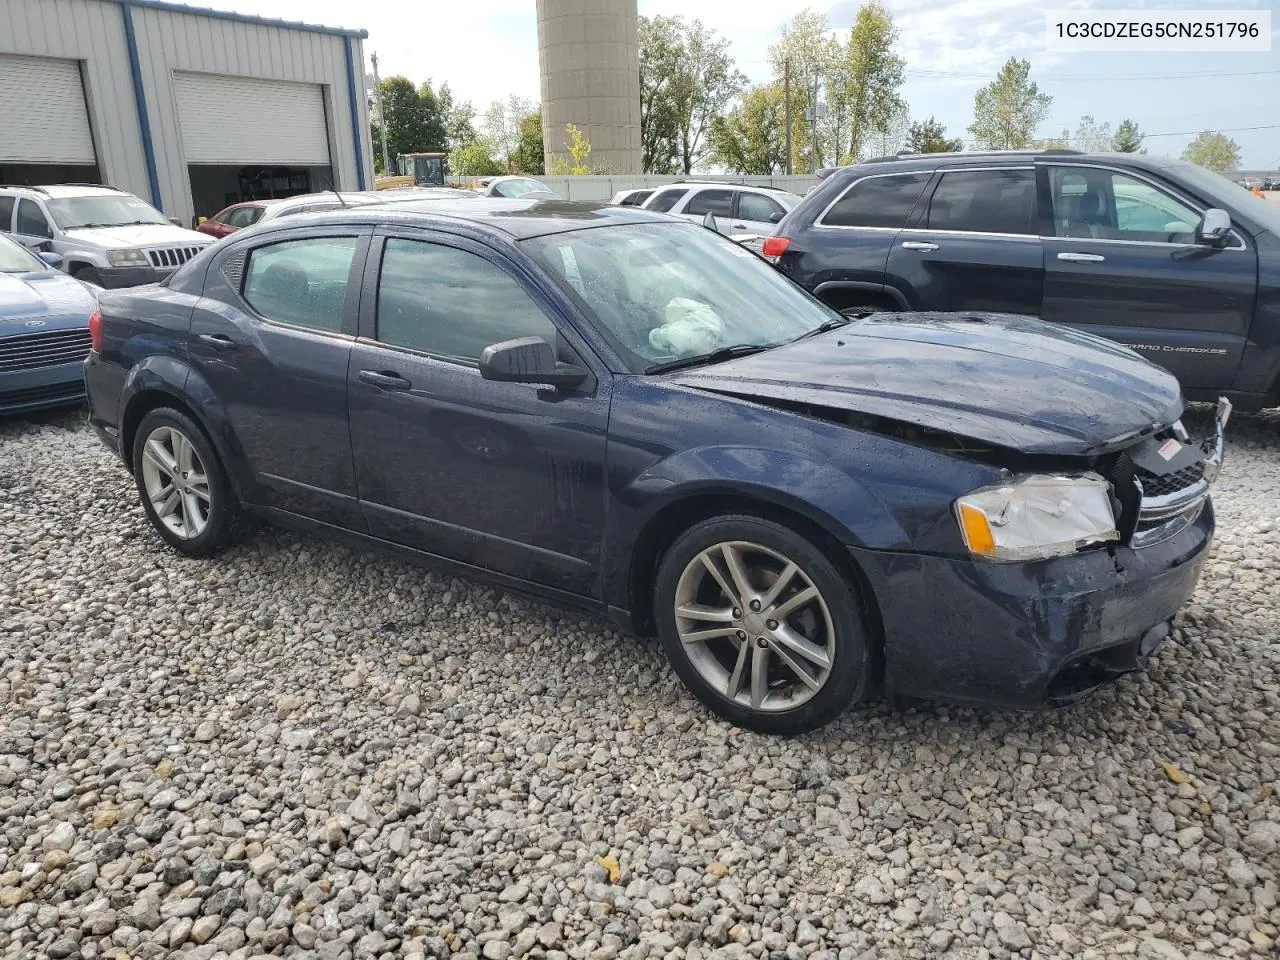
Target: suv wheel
{"points": [[761, 625], [88, 275], [184, 489]]}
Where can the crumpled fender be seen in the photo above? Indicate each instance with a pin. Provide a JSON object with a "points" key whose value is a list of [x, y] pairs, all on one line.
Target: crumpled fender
{"points": [[806, 486]]}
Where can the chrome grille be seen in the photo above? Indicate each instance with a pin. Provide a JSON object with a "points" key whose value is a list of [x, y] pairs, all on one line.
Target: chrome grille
{"points": [[167, 257], [30, 350]]}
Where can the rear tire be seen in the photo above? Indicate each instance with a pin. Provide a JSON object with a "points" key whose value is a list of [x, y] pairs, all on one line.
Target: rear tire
{"points": [[773, 638], [184, 489]]}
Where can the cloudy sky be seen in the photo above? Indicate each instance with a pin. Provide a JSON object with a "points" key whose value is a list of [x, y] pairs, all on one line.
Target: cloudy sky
{"points": [[487, 49]]}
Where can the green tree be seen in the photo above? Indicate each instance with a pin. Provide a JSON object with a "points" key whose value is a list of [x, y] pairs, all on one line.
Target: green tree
{"points": [[807, 45], [1092, 136], [1007, 111], [750, 138], [579, 149], [686, 78], [1054, 143], [1128, 138], [501, 127], [528, 157], [661, 48], [1213, 151], [929, 136], [866, 93], [474, 160], [459, 119], [414, 118]]}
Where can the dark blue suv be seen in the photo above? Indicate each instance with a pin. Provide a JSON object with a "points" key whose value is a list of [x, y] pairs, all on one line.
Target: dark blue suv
{"points": [[633, 414], [1175, 262]]}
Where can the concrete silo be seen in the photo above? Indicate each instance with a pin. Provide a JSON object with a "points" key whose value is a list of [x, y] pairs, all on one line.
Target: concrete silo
{"points": [[589, 58]]}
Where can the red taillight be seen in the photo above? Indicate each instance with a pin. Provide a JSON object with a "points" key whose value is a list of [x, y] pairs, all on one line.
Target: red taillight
{"points": [[775, 246], [95, 330]]}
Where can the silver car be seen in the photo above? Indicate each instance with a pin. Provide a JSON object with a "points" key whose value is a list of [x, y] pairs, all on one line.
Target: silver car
{"points": [[105, 236], [738, 209]]}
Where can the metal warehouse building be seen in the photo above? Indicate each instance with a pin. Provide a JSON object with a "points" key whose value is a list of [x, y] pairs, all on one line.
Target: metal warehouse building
{"points": [[191, 109]]}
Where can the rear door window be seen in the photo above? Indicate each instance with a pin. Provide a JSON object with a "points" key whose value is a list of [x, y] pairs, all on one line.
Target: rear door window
{"points": [[718, 203], [665, 200], [985, 201], [881, 201], [301, 282], [755, 206]]}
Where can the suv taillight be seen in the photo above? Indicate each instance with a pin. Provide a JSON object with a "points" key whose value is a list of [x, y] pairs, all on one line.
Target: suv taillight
{"points": [[774, 247], [95, 330]]}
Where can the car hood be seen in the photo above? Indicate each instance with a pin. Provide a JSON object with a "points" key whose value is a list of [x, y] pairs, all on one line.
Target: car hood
{"points": [[25, 296], [1000, 379], [140, 235]]}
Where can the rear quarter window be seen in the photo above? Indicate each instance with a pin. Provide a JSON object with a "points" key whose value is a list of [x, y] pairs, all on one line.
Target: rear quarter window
{"points": [[877, 201]]}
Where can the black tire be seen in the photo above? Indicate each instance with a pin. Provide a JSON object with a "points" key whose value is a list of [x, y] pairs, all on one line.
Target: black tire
{"points": [[851, 677], [88, 275], [225, 521]]}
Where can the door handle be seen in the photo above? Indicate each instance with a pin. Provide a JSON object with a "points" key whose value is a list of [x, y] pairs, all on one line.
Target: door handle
{"points": [[384, 380], [739, 226], [219, 341], [1082, 257], [919, 245]]}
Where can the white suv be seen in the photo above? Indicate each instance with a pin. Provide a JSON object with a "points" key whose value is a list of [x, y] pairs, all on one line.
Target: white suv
{"points": [[104, 236], [739, 210]]}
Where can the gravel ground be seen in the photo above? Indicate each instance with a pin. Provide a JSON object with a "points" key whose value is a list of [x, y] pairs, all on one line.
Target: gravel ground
{"points": [[303, 750]]}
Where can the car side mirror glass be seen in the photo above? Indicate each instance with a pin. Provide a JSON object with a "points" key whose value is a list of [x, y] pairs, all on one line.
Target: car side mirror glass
{"points": [[528, 360], [1215, 228], [709, 221], [52, 259]]}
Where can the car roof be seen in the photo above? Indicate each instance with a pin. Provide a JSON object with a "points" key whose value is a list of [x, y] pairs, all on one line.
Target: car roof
{"points": [[67, 190], [723, 184], [516, 219], [916, 161]]}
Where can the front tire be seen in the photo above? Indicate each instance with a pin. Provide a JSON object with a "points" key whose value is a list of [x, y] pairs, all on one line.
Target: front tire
{"points": [[88, 275], [762, 626], [184, 489]]}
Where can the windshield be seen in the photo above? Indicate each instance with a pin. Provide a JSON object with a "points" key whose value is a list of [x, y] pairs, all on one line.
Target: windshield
{"points": [[103, 210], [668, 291], [1220, 191], [518, 188], [14, 258]]}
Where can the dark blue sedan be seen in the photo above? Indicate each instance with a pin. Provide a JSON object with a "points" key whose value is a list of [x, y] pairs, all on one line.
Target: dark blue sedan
{"points": [[633, 414], [44, 331]]}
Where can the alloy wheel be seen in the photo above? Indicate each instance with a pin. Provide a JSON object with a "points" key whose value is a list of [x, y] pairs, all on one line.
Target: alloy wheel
{"points": [[176, 482], [754, 626]]}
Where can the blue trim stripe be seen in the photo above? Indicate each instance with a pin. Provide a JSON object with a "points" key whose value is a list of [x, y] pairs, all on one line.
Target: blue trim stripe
{"points": [[140, 99], [244, 18], [356, 133]]}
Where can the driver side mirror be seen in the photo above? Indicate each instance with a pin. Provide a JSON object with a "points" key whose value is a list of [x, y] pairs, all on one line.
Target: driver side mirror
{"points": [[1215, 228], [709, 221], [528, 360], [776, 216], [50, 258]]}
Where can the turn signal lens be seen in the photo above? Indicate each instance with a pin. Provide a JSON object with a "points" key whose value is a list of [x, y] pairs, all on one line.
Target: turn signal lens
{"points": [[977, 531], [95, 330], [775, 246]]}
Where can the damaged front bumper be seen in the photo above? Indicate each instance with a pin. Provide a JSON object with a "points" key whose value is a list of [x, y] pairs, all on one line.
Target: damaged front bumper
{"points": [[1046, 632]]}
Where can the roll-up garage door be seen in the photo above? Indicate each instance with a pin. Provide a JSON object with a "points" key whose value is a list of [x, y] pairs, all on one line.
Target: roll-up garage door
{"points": [[239, 120], [45, 118]]}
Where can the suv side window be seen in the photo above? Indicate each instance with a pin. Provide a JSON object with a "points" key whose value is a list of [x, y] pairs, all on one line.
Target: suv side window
{"points": [[451, 303], [1109, 205], [666, 199], [6, 214], [878, 201], [756, 206], [718, 203], [985, 201], [31, 220], [301, 282]]}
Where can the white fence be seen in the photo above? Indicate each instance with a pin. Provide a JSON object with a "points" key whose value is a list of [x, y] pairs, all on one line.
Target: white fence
{"points": [[602, 188]]}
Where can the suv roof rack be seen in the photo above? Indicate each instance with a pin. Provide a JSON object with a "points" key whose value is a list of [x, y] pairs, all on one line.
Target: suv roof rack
{"points": [[716, 183], [104, 186], [22, 186]]}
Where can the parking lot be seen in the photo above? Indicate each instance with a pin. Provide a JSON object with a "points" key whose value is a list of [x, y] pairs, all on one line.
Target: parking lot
{"points": [[310, 751]]}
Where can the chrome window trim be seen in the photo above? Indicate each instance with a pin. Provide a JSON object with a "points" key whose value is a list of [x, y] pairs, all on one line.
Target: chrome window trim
{"points": [[1026, 237], [1136, 175]]}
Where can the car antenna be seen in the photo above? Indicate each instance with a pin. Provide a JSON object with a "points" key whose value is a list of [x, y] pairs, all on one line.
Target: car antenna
{"points": [[330, 188]]}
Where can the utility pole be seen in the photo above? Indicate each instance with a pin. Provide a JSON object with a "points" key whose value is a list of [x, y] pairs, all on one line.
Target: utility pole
{"points": [[787, 100], [813, 128], [382, 117]]}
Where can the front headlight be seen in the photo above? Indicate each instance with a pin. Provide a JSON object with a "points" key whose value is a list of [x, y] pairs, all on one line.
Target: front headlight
{"points": [[127, 258], [1037, 516]]}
